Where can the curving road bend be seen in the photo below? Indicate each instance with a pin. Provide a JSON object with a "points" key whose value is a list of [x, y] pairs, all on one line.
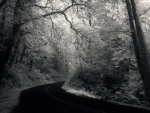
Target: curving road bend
{"points": [[52, 99]]}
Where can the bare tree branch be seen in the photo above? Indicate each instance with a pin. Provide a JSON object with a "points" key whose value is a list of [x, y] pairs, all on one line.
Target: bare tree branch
{"points": [[54, 13], [145, 11], [71, 26]]}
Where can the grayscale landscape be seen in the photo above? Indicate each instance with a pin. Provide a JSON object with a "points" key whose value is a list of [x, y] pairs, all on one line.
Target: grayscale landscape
{"points": [[96, 51]]}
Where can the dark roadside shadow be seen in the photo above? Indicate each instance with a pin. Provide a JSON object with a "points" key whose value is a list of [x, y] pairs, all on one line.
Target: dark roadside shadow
{"points": [[40, 100], [36, 100]]}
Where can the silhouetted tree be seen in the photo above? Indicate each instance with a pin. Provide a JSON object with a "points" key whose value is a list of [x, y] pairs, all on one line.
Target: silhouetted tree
{"points": [[141, 51], [8, 39]]}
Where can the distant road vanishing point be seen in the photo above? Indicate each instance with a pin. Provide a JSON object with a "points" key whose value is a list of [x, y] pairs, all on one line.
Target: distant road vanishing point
{"points": [[52, 99]]}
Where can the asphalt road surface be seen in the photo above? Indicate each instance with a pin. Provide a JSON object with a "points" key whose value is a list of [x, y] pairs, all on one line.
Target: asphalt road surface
{"points": [[52, 99]]}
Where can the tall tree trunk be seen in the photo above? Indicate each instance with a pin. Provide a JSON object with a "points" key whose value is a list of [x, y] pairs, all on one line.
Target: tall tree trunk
{"points": [[22, 54], [9, 42], [141, 51]]}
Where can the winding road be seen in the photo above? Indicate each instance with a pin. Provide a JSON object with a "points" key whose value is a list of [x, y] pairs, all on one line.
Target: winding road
{"points": [[52, 99]]}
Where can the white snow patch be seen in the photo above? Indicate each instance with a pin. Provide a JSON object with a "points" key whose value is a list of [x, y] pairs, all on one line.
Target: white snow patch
{"points": [[80, 92]]}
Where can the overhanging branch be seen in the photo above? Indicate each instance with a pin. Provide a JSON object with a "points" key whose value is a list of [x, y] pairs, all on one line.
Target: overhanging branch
{"points": [[54, 13]]}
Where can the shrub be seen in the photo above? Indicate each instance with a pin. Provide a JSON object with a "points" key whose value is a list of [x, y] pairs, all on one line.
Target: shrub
{"points": [[86, 78]]}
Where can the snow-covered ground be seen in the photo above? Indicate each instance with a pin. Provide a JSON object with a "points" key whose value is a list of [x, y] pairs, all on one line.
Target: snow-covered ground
{"points": [[80, 92]]}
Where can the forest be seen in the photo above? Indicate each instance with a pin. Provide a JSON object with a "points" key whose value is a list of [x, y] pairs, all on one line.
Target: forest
{"points": [[100, 48]]}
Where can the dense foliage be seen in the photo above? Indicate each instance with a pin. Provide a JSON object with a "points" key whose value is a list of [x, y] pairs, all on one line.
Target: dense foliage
{"points": [[87, 41]]}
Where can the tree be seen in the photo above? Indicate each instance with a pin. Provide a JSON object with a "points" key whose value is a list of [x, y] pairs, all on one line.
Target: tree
{"points": [[8, 39], [11, 42], [141, 51]]}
